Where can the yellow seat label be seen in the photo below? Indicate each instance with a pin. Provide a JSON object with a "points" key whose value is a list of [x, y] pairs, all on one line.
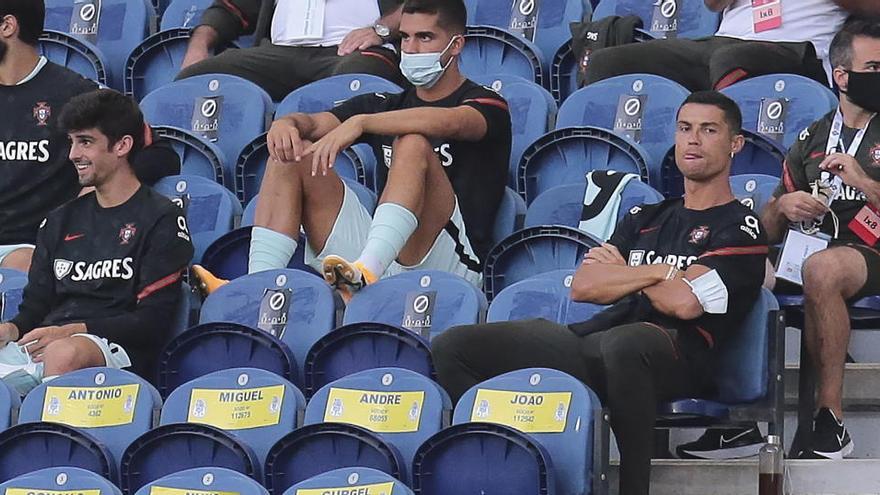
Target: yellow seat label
{"points": [[376, 489], [379, 412], [527, 412], [236, 409], [91, 407], [40, 491], [163, 490]]}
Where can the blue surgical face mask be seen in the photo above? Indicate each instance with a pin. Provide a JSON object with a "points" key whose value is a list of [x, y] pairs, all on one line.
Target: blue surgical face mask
{"points": [[424, 69], [17, 369]]}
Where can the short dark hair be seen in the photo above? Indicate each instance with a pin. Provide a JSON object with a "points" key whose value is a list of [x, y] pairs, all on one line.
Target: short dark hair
{"points": [[452, 14], [732, 113], [841, 51], [108, 111], [31, 14]]}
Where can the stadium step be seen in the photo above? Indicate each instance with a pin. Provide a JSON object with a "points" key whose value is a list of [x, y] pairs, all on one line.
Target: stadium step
{"points": [[861, 387], [680, 477]]}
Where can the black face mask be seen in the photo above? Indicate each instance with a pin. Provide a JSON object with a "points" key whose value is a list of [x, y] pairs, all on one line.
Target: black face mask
{"points": [[864, 90]]}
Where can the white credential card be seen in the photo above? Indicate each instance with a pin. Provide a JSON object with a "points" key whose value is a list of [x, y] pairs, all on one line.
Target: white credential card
{"points": [[797, 248], [299, 20]]}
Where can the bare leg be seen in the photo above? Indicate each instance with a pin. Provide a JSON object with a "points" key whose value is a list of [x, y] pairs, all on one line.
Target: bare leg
{"points": [[71, 354], [20, 259]]}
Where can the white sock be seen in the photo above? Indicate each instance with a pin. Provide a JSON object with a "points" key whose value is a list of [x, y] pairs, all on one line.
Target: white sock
{"points": [[269, 250], [391, 228]]}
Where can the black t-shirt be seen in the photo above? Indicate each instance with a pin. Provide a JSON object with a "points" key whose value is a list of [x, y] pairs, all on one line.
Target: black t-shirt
{"points": [[727, 238], [118, 270], [477, 170], [801, 170], [37, 176]]}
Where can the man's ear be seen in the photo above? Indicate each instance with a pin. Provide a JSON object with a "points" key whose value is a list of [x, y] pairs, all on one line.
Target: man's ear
{"points": [[841, 78], [123, 146], [457, 45], [737, 144]]}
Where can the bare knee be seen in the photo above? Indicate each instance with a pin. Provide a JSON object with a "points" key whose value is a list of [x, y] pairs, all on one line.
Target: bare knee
{"points": [[412, 144], [20, 259], [823, 275], [70, 354]]}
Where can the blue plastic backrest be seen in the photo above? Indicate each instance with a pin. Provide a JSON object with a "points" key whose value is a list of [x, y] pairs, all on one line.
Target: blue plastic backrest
{"points": [[122, 25], [210, 479], [511, 212], [597, 105], [491, 50], [426, 417], [694, 19], [284, 401], [547, 296], [311, 314], [323, 95], [244, 112], [12, 284], [76, 54], [352, 478], [197, 156], [10, 402], [155, 61], [808, 101], [562, 205], [741, 373], [364, 346], [183, 14], [227, 256], [61, 479], [565, 156], [754, 190], [50, 402], [27, 447], [569, 440], [457, 301], [212, 209], [532, 112]]}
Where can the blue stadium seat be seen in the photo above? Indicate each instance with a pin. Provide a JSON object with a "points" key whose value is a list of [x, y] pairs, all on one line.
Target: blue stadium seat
{"points": [[198, 157], [456, 302], [155, 61], [805, 102], [323, 447], [255, 405], [323, 95], [491, 50], [177, 447], [28, 447], [546, 295], [182, 13], [401, 406], [307, 309], [12, 284], [237, 109], [76, 54], [10, 402], [355, 479], [754, 190], [211, 209], [227, 256], [218, 346], [364, 346], [186, 313], [61, 480], [511, 213], [690, 18], [551, 19], [531, 251], [562, 205], [121, 25], [483, 458], [555, 409], [532, 112], [205, 480], [652, 101], [564, 156], [127, 405]]}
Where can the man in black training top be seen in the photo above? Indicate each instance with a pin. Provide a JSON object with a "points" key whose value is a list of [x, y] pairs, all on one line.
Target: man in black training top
{"points": [[681, 275], [106, 273], [442, 149]]}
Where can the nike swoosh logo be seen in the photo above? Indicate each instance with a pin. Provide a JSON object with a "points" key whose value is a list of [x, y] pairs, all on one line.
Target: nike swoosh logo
{"points": [[725, 441], [840, 438], [73, 237]]}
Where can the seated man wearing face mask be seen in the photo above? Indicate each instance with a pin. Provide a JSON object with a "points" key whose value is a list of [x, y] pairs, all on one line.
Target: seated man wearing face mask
{"points": [[444, 144]]}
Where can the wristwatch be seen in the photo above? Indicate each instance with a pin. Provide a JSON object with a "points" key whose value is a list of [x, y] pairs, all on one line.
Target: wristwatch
{"points": [[382, 31]]}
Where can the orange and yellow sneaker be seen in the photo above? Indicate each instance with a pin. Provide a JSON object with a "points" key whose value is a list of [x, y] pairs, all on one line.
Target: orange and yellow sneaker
{"points": [[206, 281], [347, 277]]}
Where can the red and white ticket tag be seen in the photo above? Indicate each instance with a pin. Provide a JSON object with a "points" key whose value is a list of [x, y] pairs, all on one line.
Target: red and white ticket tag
{"points": [[767, 15], [866, 225]]}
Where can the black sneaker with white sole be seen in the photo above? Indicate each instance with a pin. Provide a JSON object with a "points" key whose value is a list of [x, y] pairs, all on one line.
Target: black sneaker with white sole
{"points": [[831, 440], [726, 443]]}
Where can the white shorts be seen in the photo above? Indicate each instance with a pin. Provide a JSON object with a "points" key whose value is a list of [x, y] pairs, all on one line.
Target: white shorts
{"points": [[451, 252], [8, 249], [114, 355]]}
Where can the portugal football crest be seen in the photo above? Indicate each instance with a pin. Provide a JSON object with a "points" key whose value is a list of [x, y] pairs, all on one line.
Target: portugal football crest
{"points": [[127, 233], [699, 235], [42, 112]]}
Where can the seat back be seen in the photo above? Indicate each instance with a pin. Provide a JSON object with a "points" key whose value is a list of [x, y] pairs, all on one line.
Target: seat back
{"points": [[76, 54], [364, 346], [547, 296], [426, 302], [183, 14], [197, 157], [177, 447], [211, 210], [155, 61], [253, 404], [781, 106], [60, 479], [352, 479], [227, 256], [323, 447], [531, 251], [665, 19], [323, 95], [217, 346], [401, 406], [552, 407], [510, 216], [297, 307], [113, 405], [754, 190], [28, 447], [10, 402], [490, 50], [12, 284], [203, 480], [563, 205]]}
